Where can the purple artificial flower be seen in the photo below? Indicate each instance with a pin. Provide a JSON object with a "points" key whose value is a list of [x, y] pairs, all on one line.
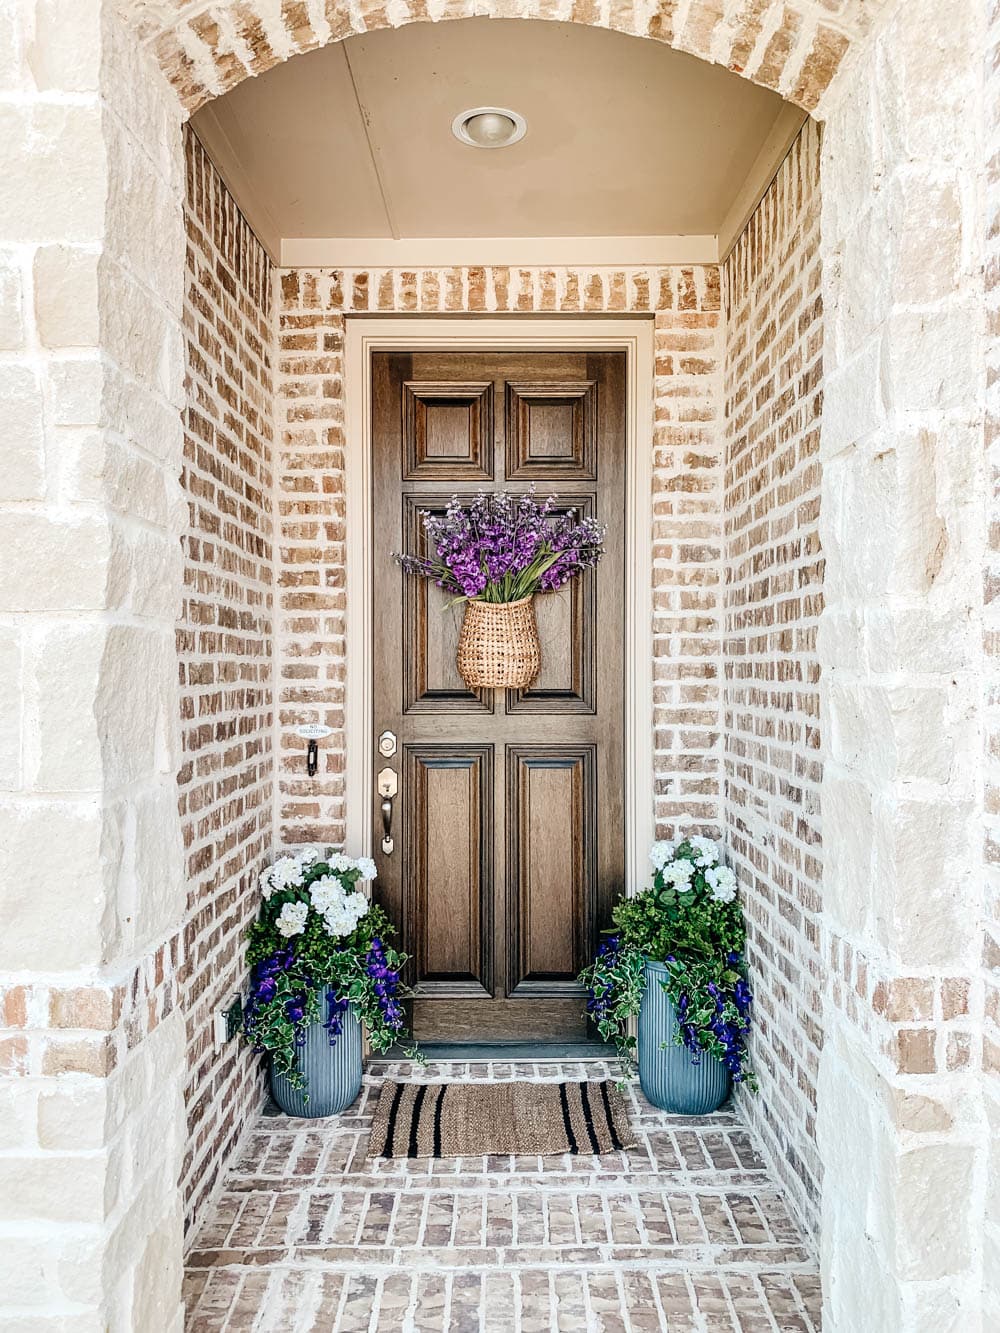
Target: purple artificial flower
{"points": [[502, 547]]}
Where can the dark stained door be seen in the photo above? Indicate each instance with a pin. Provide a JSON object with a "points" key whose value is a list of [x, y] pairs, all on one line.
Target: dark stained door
{"points": [[508, 822]]}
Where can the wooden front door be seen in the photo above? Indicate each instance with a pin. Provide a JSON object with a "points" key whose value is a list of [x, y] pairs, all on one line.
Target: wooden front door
{"points": [[507, 826]]}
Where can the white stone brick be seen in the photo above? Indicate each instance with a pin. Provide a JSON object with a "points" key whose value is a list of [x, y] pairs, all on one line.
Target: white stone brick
{"points": [[71, 1114], [18, 1113], [52, 1188], [75, 389], [57, 851], [11, 299], [66, 302], [66, 51], [62, 668], [52, 565], [54, 151], [11, 708], [934, 1196], [22, 476], [923, 882]]}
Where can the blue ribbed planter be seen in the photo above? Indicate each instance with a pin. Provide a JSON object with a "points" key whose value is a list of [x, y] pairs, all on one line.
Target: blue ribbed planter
{"points": [[333, 1072], [666, 1074]]}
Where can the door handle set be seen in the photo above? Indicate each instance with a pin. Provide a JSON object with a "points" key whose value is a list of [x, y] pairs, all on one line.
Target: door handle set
{"points": [[388, 784]]}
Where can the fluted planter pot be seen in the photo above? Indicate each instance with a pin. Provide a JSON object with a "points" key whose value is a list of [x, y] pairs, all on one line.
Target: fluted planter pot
{"points": [[666, 1074], [333, 1073]]}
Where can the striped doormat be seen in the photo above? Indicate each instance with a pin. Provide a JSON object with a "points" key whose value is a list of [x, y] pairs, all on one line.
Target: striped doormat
{"points": [[487, 1119]]}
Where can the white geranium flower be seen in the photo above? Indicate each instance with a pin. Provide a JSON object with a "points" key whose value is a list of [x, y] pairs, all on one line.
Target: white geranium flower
{"points": [[661, 854], [679, 874], [309, 856], [366, 866], [722, 882], [265, 884], [344, 912], [707, 851], [338, 861], [326, 893], [286, 871], [292, 919]]}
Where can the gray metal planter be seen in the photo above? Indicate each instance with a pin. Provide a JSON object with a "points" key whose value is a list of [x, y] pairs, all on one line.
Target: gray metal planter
{"points": [[667, 1075], [333, 1072]]}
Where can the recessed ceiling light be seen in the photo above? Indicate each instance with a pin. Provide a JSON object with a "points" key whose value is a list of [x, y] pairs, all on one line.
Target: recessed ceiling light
{"points": [[489, 127]]}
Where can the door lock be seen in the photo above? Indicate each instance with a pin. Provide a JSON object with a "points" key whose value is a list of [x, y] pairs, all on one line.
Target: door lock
{"points": [[388, 785], [387, 744]]}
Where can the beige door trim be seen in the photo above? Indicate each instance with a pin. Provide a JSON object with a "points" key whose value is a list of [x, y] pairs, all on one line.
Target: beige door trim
{"points": [[366, 335]]}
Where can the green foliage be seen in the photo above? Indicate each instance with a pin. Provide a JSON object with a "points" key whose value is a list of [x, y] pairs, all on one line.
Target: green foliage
{"points": [[338, 941], [690, 920]]}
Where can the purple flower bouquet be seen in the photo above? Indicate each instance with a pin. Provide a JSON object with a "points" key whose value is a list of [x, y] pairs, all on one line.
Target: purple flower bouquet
{"points": [[495, 554], [504, 547]]}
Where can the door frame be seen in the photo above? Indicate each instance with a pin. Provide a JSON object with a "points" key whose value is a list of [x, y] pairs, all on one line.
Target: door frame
{"points": [[365, 334]]}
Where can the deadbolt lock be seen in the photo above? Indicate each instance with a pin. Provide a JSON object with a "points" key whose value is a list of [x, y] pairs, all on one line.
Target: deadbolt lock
{"points": [[387, 744], [388, 783]]}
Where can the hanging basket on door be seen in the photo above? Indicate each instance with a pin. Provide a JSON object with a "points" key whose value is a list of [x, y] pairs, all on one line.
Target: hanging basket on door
{"points": [[498, 647], [495, 554]]}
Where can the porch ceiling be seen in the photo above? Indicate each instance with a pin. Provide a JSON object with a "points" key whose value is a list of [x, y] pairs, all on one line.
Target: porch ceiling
{"points": [[626, 138]]}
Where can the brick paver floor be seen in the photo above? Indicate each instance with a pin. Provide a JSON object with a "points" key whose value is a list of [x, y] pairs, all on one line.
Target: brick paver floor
{"points": [[684, 1232]]}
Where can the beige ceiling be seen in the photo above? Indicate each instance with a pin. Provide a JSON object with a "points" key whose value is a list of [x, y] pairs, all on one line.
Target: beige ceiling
{"points": [[626, 138]]}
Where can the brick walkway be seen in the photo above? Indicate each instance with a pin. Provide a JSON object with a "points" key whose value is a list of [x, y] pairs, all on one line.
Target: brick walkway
{"points": [[685, 1232]]}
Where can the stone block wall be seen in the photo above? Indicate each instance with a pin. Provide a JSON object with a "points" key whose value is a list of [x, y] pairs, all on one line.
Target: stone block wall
{"points": [[900, 1121], [990, 962], [91, 891], [224, 649], [685, 304], [773, 598]]}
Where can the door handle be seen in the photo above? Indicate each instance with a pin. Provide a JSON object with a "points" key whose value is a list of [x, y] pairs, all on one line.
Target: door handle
{"points": [[387, 787], [387, 825]]}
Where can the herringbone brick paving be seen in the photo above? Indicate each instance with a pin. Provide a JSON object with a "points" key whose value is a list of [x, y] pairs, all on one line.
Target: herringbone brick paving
{"points": [[686, 1232]]}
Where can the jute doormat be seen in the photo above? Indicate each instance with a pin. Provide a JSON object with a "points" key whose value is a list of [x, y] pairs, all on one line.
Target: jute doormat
{"points": [[479, 1119]]}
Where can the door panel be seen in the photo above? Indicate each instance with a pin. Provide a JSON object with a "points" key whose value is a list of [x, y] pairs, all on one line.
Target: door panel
{"points": [[551, 865], [508, 826], [448, 431], [447, 841]]}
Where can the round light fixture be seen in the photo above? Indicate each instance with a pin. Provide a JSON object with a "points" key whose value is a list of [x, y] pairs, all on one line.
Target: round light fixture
{"points": [[489, 127]]}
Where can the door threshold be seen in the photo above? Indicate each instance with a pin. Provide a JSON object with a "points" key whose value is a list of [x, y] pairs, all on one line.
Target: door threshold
{"points": [[478, 1052]]}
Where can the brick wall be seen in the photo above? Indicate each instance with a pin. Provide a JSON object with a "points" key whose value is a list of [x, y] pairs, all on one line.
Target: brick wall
{"points": [[224, 647], [773, 597], [687, 458]]}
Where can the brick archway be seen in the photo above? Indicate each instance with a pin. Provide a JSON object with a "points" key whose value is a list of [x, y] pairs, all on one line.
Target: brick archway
{"points": [[794, 47]]}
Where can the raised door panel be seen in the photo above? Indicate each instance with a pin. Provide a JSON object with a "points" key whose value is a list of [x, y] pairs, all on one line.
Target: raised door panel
{"points": [[567, 633], [551, 865], [447, 431], [552, 431], [431, 626], [448, 814]]}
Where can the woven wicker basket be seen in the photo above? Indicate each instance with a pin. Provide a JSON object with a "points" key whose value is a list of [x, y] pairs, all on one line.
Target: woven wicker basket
{"points": [[498, 645]]}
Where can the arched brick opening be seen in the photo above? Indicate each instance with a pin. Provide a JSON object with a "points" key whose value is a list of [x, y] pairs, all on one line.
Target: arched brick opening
{"points": [[794, 48]]}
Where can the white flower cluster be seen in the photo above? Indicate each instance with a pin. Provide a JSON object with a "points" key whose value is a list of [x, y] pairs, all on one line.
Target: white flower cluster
{"points": [[292, 919], [679, 873], [288, 872], [722, 881], [661, 854], [707, 851], [340, 909]]}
